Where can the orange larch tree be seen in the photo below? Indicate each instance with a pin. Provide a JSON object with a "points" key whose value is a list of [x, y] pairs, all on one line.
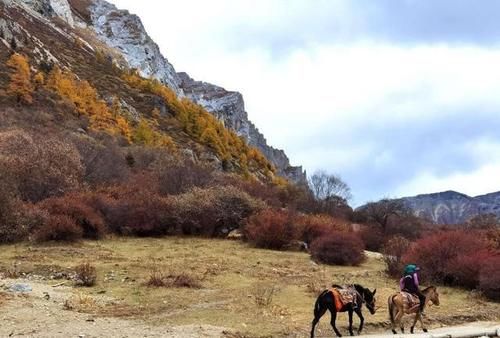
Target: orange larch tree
{"points": [[20, 84]]}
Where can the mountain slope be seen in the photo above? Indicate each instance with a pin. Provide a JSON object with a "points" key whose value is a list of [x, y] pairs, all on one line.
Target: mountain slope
{"points": [[451, 207], [93, 39]]}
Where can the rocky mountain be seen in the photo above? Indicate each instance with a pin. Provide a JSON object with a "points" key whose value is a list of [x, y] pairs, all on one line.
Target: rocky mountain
{"points": [[229, 107], [124, 37], [452, 207]]}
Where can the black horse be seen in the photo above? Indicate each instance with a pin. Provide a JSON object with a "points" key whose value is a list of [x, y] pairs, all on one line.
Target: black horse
{"points": [[326, 301]]}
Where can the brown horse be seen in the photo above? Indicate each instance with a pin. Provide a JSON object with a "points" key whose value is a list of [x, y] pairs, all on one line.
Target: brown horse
{"points": [[399, 306]]}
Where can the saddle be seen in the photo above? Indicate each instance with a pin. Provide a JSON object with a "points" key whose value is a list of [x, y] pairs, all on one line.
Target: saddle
{"points": [[343, 296], [411, 299]]}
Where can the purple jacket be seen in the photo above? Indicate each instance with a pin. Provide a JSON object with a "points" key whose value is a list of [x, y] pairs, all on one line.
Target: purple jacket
{"points": [[409, 283]]}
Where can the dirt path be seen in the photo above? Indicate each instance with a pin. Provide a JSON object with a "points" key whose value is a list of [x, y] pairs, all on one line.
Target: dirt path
{"points": [[470, 329], [33, 315]]}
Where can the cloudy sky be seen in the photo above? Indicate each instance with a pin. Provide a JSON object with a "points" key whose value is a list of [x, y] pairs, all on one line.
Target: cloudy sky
{"points": [[399, 97]]}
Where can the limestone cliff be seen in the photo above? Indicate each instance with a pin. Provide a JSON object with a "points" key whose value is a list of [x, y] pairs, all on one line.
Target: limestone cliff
{"points": [[229, 107], [125, 33]]}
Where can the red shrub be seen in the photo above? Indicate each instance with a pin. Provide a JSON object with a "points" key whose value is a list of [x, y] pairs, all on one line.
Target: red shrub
{"points": [[465, 269], [270, 229], [338, 248], [438, 253], [313, 226], [373, 237], [58, 228], [140, 214], [489, 280], [77, 207]]}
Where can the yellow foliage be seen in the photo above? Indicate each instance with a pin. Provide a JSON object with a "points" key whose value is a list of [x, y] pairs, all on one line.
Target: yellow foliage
{"points": [[20, 84], [145, 134], [88, 103], [204, 127]]}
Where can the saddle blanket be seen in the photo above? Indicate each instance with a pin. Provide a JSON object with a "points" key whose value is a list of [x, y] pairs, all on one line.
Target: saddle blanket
{"points": [[343, 297], [410, 298]]}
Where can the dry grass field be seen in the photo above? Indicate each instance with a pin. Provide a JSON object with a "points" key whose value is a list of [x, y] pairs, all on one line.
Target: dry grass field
{"points": [[251, 292]]}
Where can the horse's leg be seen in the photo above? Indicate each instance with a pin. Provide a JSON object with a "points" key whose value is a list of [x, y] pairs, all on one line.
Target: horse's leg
{"points": [[361, 320], [350, 322], [333, 311], [421, 321], [398, 318], [317, 315], [412, 328]]}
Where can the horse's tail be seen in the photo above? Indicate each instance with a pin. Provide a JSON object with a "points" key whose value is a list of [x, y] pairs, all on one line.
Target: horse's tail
{"points": [[317, 305], [391, 306]]}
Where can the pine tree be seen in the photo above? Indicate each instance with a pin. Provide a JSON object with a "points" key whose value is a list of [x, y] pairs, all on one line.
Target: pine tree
{"points": [[20, 84]]}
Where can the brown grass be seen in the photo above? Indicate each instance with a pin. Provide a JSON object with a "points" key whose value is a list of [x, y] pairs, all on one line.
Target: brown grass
{"points": [[233, 276]]}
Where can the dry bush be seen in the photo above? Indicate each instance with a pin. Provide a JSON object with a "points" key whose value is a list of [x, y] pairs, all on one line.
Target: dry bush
{"points": [[338, 248], [86, 275], [41, 166], [158, 278], [443, 255], [103, 161], [77, 207], [271, 229], [177, 177], [393, 251], [141, 214], [263, 294], [489, 280], [312, 227], [80, 303], [11, 229], [58, 228], [213, 211]]}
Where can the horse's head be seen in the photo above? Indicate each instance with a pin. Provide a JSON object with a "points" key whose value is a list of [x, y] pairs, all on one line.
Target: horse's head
{"points": [[369, 298], [433, 295]]}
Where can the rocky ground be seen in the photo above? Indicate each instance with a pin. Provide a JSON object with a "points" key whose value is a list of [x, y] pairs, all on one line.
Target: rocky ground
{"points": [[45, 312]]}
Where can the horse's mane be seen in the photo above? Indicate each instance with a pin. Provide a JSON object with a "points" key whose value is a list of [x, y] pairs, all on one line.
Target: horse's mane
{"points": [[429, 288]]}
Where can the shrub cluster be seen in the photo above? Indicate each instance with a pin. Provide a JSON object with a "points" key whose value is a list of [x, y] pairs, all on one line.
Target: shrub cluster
{"points": [[338, 248], [457, 257], [271, 229]]}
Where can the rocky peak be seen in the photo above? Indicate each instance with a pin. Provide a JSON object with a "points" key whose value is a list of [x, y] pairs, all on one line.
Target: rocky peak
{"points": [[50, 8], [229, 107], [126, 33]]}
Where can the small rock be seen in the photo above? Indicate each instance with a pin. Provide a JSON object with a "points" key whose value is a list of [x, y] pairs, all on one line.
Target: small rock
{"points": [[22, 288]]}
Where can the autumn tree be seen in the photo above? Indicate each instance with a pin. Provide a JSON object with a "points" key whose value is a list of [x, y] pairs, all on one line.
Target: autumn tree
{"points": [[20, 85]]}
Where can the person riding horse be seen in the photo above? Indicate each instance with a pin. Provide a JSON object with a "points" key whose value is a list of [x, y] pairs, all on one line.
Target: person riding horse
{"points": [[410, 283]]}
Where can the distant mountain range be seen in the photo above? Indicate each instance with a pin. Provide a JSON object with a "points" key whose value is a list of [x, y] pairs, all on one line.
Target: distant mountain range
{"points": [[451, 207]]}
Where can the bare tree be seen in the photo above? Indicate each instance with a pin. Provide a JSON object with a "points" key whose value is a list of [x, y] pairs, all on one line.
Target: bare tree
{"points": [[329, 186]]}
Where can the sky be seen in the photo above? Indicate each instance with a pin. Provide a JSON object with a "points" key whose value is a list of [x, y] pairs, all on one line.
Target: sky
{"points": [[398, 97]]}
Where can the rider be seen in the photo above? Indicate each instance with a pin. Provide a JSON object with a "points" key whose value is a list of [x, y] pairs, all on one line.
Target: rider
{"points": [[409, 283]]}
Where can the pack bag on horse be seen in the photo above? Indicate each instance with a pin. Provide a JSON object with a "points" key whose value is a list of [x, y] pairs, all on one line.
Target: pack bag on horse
{"points": [[348, 299], [410, 300]]}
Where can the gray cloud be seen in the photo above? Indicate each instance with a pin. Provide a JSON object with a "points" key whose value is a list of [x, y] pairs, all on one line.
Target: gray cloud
{"points": [[394, 21]]}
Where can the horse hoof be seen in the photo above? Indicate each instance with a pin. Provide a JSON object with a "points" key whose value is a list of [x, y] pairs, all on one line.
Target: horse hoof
{"points": [[425, 330], [394, 331]]}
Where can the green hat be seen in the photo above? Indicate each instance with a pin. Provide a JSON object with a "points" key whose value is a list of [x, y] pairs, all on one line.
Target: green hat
{"points": [[411, 268]]}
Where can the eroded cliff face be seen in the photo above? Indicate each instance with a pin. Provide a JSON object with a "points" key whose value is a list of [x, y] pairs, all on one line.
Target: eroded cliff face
{"points": [[125, 33], [451, 207], [229, 107]]}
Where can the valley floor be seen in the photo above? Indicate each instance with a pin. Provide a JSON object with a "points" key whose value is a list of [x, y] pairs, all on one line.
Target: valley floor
{"points": [[244, 292]]}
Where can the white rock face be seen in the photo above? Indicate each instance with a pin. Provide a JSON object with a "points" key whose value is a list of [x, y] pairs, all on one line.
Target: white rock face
{"points": [[126, 33], [62, 9], [51, 8]]}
